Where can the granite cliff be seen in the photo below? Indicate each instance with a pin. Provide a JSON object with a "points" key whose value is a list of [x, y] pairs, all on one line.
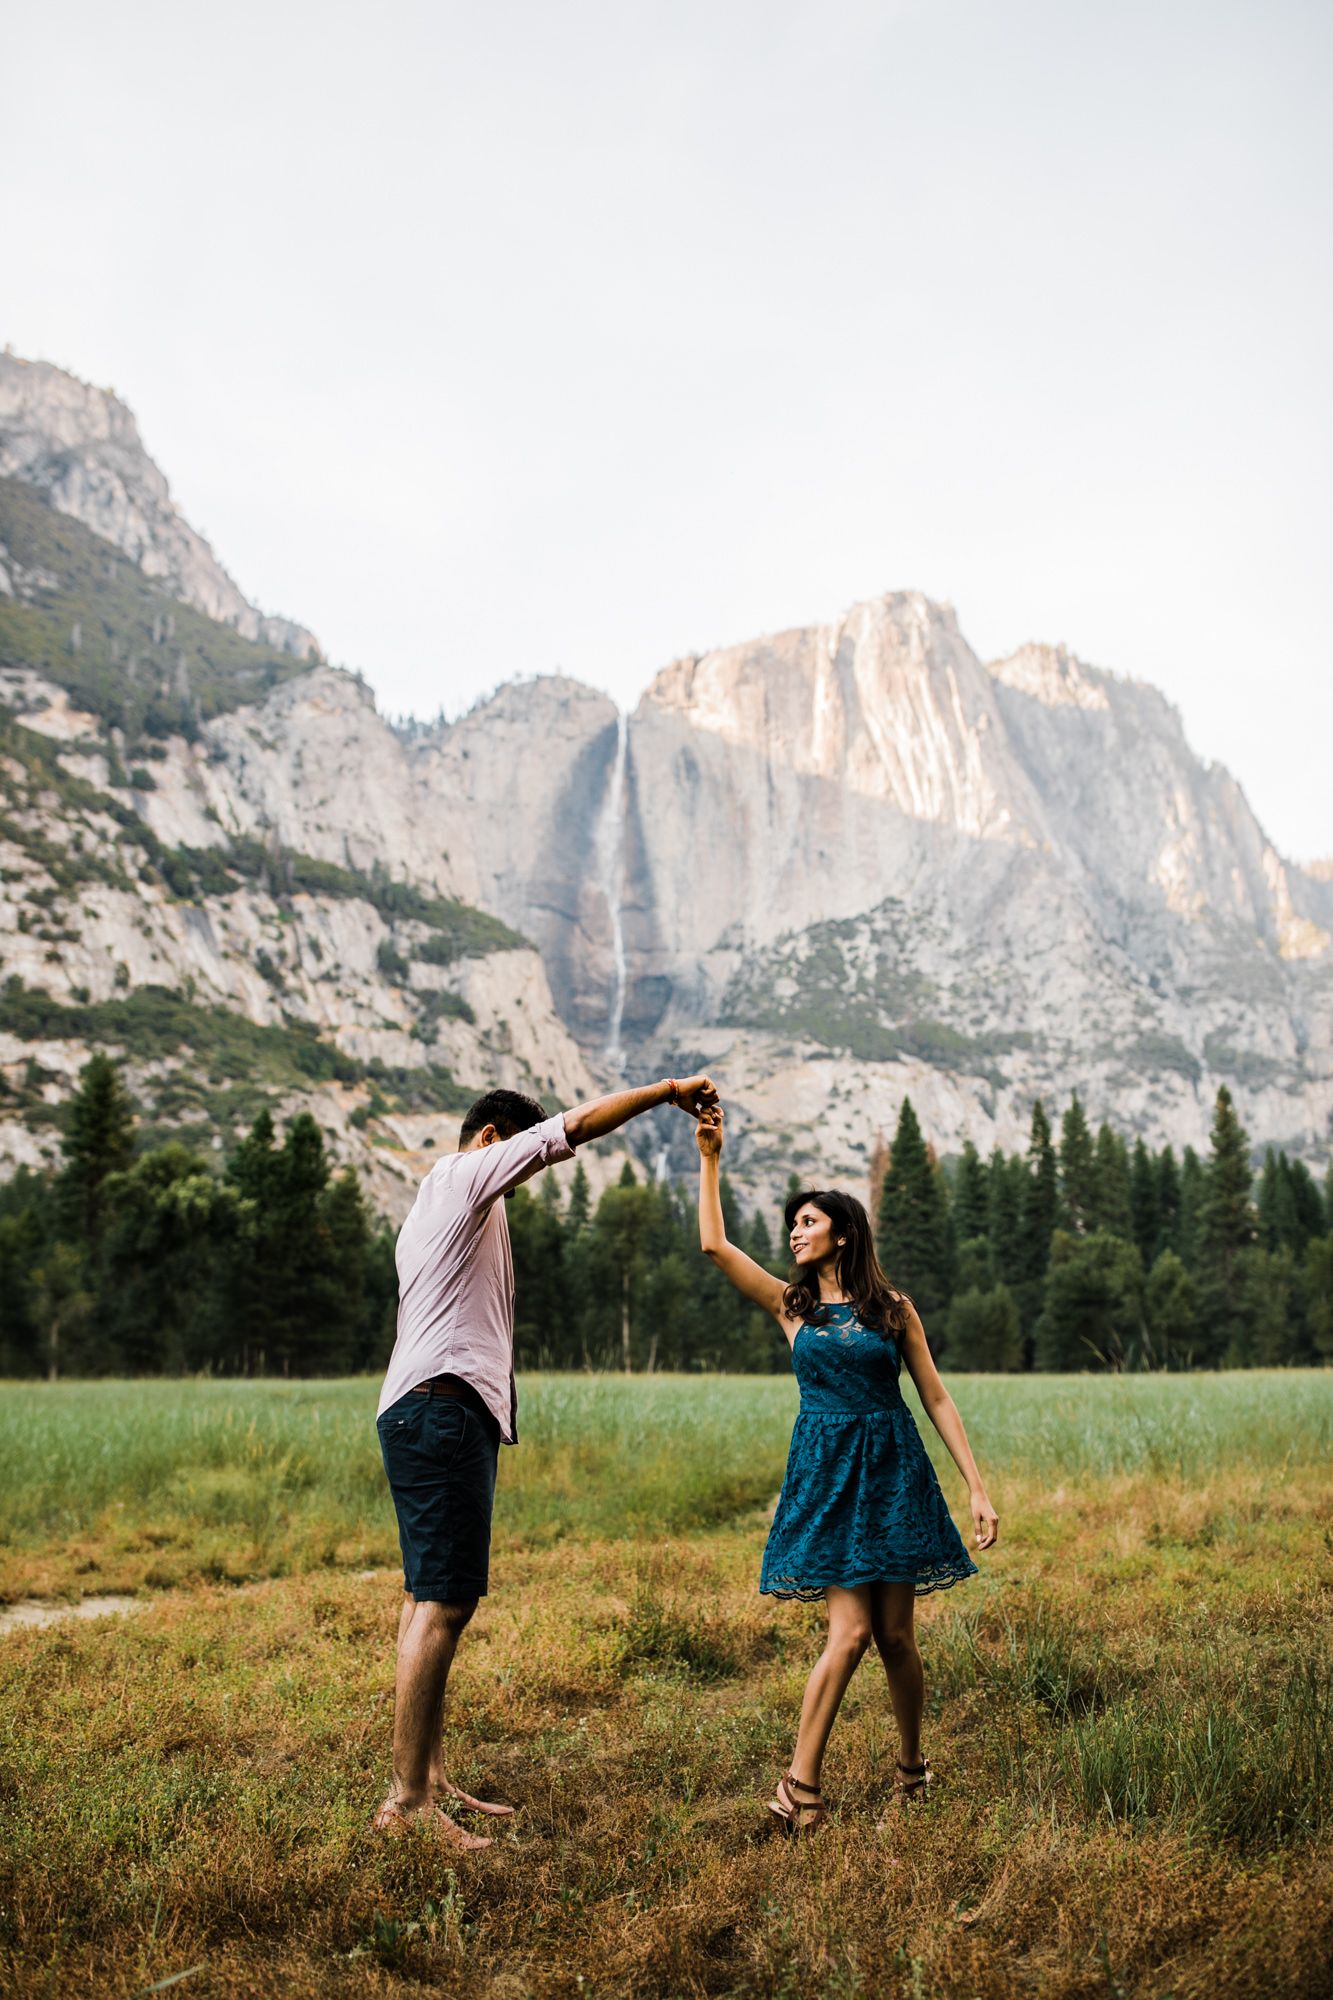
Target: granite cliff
{"points": [[839, 863], [172, 885], [848, 861], [80, 447]]}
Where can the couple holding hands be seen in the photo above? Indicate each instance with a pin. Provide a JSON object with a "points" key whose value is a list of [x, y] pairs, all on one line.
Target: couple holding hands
{"points": [[861, 1521]]}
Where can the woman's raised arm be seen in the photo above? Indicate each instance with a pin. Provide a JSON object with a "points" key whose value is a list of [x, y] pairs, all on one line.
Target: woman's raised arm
{"points": [[747, 1276]]}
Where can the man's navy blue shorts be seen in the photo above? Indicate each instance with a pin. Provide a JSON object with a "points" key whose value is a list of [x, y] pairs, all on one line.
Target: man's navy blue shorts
{"points": [[440, 1456]]}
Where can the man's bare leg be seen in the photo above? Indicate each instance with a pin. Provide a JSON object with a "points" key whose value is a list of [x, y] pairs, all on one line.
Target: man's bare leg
{"points": [[428, 1635], [441, 1785], [437, 1777]]}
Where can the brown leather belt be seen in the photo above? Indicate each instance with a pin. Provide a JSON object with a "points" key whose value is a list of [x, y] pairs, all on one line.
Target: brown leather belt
{"points": [[459, 1391]]}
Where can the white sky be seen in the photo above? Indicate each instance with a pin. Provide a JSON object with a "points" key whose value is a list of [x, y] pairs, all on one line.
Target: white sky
{"points": [[490, 339]]}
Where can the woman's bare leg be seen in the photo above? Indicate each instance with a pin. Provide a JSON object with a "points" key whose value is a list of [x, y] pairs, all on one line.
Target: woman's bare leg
{"points": [[893, 1621], [849, 1633]]}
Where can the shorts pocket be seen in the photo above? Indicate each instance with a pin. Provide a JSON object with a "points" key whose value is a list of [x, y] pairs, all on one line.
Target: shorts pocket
{"points": [[445, 1430]]}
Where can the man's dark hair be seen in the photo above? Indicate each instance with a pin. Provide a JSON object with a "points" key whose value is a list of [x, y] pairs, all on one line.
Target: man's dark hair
{"points": [[508, 1110]]}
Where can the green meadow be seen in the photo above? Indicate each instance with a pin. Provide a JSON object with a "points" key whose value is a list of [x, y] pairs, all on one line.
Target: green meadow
{"points": [[1130, 1709], [283, 1471]]}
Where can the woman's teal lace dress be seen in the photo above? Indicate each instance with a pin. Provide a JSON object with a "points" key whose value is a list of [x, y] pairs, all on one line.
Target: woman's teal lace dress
{"points": [[860, 1502]]}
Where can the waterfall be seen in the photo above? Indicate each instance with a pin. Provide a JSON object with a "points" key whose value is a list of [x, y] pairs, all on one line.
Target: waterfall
{"points": [[610, 842]]}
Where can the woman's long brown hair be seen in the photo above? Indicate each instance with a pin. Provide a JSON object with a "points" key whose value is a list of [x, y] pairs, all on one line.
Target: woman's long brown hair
{"points": [[860, 1279]]}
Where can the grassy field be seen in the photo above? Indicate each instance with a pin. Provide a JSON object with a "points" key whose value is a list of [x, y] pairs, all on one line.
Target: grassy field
{"points": [[1130, 1710]]}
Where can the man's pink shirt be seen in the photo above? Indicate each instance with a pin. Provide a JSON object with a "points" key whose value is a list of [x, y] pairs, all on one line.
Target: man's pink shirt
{"points": [[456, 1273]]}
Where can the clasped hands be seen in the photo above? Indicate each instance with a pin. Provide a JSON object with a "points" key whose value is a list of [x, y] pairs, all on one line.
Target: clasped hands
{"points": [[697, 1095]]}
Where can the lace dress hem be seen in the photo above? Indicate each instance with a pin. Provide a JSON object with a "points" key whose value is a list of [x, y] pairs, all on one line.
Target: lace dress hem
{"points": [[810, 1593]]}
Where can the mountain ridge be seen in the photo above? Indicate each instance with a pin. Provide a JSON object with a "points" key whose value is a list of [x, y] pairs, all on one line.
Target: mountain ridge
{"points": [[840, 863], [80, 446]]}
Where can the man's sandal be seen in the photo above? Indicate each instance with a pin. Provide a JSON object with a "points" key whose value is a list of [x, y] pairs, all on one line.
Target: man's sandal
{"points": [[391, 1819], [790, 1812]]}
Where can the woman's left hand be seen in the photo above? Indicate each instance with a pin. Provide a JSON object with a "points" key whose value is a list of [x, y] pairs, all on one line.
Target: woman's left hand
{"points": [[708, 1132], [984, 1519]]}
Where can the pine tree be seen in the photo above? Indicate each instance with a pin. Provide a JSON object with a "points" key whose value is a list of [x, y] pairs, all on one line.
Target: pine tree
{"points": [[984, 1333], [1078, 1174], [167, 1225], [756, 1241], [98, 1141], [335, 1329], [1273, 1200], [1192, 1189], [627, 1179], [1041, 1198], [913, 1218], [579, 1213], [60, 1302], [287, 1300], [1004, 1179], [1305, 1214], [1227, 1226], [537, 1245], [1094, 1304], [1145, 1202], [970, 1201], [576, 1255], [618, 1266], [1111, 1171], [1317, 1286], [1168, 1204], [766, 1350], [23, 1202], [380, 1322], [1169, 1305]]}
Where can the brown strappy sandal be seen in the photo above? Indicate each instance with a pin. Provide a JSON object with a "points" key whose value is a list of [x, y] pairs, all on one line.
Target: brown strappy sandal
{"points": [[789, 1811], [911, 1783]]}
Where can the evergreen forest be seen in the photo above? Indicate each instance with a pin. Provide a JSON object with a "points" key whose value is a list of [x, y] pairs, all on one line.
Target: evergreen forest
{"points": [[1081, 1254]]}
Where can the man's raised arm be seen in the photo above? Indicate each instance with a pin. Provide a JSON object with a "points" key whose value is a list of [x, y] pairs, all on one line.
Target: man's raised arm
{"points": [[607, 1114]]}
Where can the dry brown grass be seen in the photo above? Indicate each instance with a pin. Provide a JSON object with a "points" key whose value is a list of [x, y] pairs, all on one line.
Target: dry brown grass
{"points": [[193, 1787]]}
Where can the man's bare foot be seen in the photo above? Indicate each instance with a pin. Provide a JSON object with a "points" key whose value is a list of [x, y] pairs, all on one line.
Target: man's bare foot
{"points": [[473, 1805], [392, 1819]]}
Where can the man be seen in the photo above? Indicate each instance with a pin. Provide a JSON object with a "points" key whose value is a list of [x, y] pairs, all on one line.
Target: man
{"points": [[448, 1402]]}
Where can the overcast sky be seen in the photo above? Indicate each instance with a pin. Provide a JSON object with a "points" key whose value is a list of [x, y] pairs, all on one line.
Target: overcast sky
{"points": [[486, 340]]}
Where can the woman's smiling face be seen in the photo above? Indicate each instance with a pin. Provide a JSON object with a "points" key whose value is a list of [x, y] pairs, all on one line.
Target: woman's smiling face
{"points": [[812, 1237]]}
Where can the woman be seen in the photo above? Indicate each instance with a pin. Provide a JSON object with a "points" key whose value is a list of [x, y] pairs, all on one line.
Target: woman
{"points": [[861, 1520]]}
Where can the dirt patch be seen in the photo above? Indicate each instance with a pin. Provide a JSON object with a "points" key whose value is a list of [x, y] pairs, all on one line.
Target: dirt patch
{"points": [[35, 1611]]}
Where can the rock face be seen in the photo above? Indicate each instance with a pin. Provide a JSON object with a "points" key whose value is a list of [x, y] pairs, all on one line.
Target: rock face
{"points": [[854, 860], [80, 446], [335, 965], [841, 864], [1018, 878]]}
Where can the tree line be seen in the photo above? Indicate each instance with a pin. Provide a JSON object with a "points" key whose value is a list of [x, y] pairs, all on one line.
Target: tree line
{"points": [[1091, 1254], [1083, 1254], [625, 1284], [151, 1263]]}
